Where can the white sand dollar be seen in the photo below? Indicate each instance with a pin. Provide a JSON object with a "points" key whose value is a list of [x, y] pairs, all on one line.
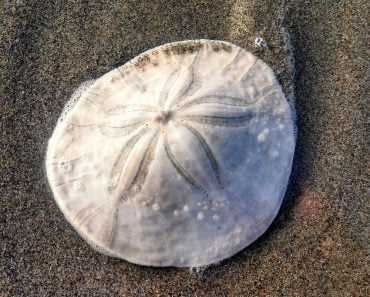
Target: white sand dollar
{"points": [[180, 157]]}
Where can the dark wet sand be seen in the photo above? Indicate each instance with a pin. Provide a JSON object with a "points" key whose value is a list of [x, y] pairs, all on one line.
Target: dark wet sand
{"points": [[318, 244]]}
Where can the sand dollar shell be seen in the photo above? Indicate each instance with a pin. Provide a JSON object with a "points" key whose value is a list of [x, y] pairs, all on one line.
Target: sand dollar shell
{"points": [[180, 157]]}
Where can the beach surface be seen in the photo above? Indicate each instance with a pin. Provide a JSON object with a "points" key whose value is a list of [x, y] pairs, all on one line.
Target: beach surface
{"points": [[318, 244]]}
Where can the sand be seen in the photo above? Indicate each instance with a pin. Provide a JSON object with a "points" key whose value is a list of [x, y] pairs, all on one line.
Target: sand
{"points": [[317, 245]]}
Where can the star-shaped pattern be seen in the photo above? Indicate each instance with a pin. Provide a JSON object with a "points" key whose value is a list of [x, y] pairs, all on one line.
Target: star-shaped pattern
{"points": [[147, 126], [179, 112]]}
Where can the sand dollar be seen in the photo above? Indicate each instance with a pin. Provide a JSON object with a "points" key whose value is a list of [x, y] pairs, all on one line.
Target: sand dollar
{"points": [[180, 157]]}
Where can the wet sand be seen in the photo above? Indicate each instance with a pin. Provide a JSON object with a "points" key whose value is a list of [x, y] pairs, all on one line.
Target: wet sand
{"points": [[317, 245]]}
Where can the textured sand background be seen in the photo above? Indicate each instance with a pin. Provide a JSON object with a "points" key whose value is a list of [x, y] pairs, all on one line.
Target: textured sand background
{"points": [[318, 244]]}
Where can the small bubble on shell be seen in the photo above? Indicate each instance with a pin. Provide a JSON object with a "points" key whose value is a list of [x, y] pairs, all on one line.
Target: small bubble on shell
{"points": [[200, 216]]}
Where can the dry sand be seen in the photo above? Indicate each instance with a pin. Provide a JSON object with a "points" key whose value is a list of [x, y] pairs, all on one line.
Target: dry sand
{"points": [[318, 244]]}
